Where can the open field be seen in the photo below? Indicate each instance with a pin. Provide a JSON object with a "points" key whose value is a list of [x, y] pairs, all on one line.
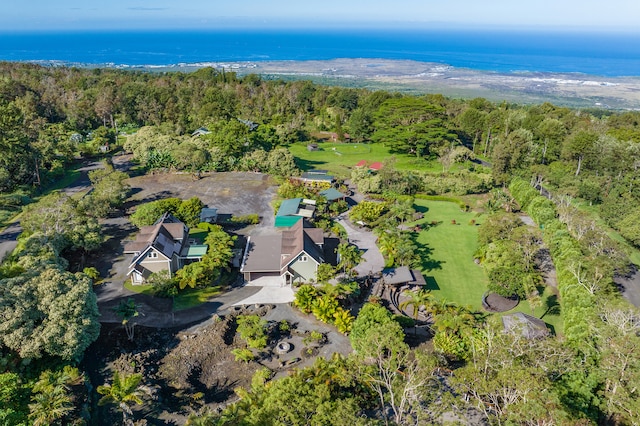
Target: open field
{"points": [[339, 157], [451, 272]]}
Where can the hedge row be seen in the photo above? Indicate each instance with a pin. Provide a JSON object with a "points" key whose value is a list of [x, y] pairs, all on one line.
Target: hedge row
{"points": [[578, 305]]}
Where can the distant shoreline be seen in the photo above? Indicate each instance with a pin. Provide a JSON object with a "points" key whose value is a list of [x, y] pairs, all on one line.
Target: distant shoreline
{"points": [[407, 76]]}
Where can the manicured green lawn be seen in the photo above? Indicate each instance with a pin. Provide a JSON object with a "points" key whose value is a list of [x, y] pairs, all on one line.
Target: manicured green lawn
{"points": [[198, 234], [186, 298], [347, 155], [142, 289], [191, 297], [450, 271]]}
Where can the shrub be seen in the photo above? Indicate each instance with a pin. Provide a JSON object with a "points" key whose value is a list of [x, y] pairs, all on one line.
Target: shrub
{"points": [[92, 273], [253, 330], [243, 355], [250, 219]]}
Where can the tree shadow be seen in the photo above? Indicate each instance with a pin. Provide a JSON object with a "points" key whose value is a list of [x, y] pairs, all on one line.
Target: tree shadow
{"points": [[421, 209], [427, 263], [552, 306], [308, 164], [432, 284]]}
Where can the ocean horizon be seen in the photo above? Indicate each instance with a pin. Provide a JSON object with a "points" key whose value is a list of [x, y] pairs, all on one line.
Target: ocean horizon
{"points": [[603, 54]]}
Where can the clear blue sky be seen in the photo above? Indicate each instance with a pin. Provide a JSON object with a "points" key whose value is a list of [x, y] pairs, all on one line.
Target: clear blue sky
{"points": [[15, 15]]}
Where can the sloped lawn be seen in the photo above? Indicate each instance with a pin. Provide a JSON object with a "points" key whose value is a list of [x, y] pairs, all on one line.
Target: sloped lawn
{"points": [[450, 271]]}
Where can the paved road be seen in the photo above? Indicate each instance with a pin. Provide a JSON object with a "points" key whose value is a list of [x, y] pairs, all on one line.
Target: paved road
{"points": [[372, 260], [10, 234], [8, 239]]}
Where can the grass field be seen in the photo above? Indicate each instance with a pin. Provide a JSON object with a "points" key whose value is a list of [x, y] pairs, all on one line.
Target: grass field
{"points": [[339, 158], [186, 298], [450, 270]]}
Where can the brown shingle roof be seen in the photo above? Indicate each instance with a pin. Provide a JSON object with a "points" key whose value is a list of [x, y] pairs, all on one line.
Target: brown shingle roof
{"points": [[263, 254]]}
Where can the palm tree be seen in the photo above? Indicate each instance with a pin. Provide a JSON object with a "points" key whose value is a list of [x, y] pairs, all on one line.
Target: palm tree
{"points": [[50, 406], [127, 310], [51, 399], [403, 210], [350, 256], [305, 296], [203, 418], [388, 241], [416, 299], [123, 391], [343, 320]]}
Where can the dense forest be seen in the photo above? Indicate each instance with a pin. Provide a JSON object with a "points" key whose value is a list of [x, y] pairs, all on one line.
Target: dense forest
{"points": [[574, 172]]}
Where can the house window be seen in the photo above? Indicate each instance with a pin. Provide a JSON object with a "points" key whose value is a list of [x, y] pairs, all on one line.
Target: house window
{"points": [[304, 258], [152, 255]]}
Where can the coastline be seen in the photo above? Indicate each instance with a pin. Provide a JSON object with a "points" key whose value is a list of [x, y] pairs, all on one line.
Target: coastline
{"points": [[409, 76]]}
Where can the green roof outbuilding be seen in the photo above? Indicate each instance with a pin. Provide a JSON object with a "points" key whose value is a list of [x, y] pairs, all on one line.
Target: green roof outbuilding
{"points": [[332, 194]]}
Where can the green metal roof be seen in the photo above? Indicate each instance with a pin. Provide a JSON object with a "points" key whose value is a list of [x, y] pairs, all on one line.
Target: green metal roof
{"points": [[197, 251], [289, 207], [332, 194], [286, 221]]}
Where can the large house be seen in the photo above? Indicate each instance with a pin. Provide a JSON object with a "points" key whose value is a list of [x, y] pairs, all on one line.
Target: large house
{"points": [[285, 258], [163, 246]]}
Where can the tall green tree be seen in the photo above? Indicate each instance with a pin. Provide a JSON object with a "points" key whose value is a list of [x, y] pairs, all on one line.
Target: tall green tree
{"points": [[411, 125], [50, 312]]}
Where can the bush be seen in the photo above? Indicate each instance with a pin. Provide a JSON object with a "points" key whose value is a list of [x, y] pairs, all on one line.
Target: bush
{"points": [[463, 206], [250, 219], [92, 273], [243, 355], [253, 330]]}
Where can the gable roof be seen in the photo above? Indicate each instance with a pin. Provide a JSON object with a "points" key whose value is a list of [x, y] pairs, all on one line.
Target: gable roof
{"points": [[317, 175], [274, 253], [295, 241], [292, 210], [262, 254], [289, 207], [208, 214], [375, 166], [200, 131], [167, 236], [332, 194]]}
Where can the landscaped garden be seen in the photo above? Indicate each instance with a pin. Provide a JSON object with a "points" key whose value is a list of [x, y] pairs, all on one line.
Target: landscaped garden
{"points": [[452, 236]]}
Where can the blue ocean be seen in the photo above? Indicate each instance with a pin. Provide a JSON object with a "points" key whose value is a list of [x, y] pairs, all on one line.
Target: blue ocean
{"points": [[502, 51]]}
